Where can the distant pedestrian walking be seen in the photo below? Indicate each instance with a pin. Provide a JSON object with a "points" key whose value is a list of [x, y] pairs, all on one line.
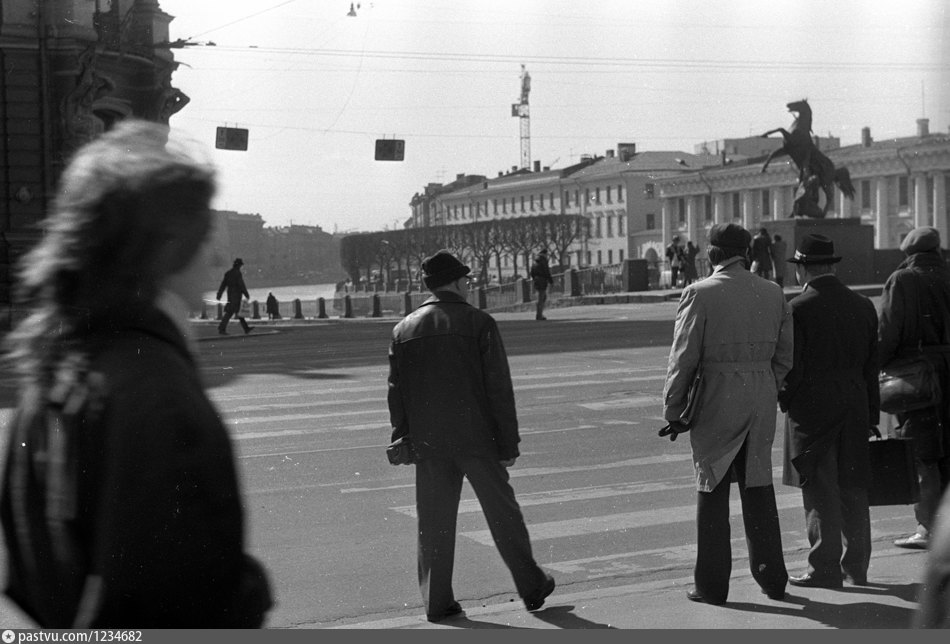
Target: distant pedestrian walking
{"points": [[762, 254], [779, 258], [914, 314], [233, 283], [451, 395], [831, 400], [272, 307], [675, 255], [541, 276], [732, 346]]}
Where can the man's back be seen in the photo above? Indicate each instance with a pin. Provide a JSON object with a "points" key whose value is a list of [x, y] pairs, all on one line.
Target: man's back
{"points": [[451, 384]]}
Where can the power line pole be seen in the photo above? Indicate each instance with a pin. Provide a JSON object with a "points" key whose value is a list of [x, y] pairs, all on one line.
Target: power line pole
{"points": [[523, 113]]}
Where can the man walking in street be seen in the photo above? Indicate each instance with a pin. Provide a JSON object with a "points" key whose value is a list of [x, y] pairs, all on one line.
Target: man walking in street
{"points": [[831, 400], [732, 346], [914, 315], [541, 276], [233, 283], [451, 395]]}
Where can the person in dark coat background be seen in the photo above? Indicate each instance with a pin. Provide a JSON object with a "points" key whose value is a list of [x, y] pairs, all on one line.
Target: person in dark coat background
{"points": [[831, 402], [762, 254], [450, 392], [540, 274], [273, 308], [914, 310], [233, 283], [121, 505]]}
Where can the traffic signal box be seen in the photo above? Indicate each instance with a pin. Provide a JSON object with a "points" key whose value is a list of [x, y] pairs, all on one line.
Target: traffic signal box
{"points": [[390, 149], [231, 138]]}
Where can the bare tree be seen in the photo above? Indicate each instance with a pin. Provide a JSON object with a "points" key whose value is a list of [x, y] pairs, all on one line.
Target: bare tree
{"points": [[562, 231]]}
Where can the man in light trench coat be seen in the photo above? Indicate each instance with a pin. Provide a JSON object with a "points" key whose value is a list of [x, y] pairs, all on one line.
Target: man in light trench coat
{"points": [[732, 346]]}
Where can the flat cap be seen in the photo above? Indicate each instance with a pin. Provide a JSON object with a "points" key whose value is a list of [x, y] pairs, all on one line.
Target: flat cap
{"points": [[729, 236], [920, 240]]}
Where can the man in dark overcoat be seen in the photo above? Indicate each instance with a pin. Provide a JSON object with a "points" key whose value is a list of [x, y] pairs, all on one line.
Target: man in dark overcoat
{"points": [[233, 283], [914, 315], [831, 402], [450, 393]]}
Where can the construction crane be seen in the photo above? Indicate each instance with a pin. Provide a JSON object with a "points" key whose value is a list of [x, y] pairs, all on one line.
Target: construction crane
{"points": [[522, 112]]}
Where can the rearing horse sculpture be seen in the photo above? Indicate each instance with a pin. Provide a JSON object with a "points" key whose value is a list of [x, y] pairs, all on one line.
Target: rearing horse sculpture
{"points": [[812, 164]]}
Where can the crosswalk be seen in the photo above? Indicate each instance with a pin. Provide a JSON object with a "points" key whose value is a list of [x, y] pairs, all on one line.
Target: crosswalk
{"points": [[598, 489]]}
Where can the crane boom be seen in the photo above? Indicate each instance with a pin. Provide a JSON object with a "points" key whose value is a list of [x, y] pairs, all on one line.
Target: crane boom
{"points": [[522, 111]]}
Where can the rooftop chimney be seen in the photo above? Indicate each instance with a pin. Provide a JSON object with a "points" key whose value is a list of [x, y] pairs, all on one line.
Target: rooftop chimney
{"points": [[537, 166], [610, 154], [923, 127], [459, 176], [866, 139], [626, 151], [514, 168]]}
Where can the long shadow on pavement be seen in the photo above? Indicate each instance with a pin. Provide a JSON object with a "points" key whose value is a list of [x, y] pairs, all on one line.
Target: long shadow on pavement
{"points": [[842, 615]]}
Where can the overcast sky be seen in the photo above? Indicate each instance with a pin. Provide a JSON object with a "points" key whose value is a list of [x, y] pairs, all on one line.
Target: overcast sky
{"points": [[316, 87]]}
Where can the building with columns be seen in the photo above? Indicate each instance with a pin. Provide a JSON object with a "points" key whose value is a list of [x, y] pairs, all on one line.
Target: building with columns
{"points": [[900, 184]]}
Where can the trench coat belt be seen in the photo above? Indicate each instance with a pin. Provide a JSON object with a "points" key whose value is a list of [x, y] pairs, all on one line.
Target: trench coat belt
{"points": [[733, 367]]}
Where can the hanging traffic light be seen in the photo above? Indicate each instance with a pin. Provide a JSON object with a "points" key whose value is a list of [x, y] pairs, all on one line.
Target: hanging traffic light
{"points": [[390, 149]]}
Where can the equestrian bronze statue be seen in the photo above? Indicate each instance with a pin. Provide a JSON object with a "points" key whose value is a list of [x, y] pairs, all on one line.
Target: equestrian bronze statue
{"points": [[815, 170]]}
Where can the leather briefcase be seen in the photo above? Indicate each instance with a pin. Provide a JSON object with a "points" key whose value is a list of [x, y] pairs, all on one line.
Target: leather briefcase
{"points": [[893, 472]]}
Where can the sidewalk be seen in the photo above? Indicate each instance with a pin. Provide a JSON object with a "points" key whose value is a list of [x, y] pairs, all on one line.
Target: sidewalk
{"points": [[888, 602], [633, 305]]}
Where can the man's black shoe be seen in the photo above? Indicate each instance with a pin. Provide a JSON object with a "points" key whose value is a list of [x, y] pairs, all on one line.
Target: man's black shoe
{"points": [[694, 595], [777, 595], [452, 611], [809, 580], [248, 329], [535, 600], [855, 581], [222, 332]]}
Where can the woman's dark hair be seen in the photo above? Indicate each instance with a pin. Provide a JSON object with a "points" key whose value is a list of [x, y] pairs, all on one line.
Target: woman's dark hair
{"points": [[131, 209]]}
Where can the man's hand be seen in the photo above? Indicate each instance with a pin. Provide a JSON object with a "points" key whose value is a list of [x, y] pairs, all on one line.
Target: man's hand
{"points": [[509, 462], [673, 429]]}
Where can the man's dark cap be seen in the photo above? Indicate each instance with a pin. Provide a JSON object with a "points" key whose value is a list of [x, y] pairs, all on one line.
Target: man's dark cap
{"points": [[443, 268], [815, 249], [239, 262], [729, 236], [921, 240]]}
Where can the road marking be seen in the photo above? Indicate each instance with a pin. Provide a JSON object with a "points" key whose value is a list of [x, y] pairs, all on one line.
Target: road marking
{"points": [[517, 472], [623, 403], [569, 495], [623, 521]]}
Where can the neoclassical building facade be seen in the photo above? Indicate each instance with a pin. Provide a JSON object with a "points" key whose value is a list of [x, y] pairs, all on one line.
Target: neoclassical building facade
{"points": [[900, 184]]}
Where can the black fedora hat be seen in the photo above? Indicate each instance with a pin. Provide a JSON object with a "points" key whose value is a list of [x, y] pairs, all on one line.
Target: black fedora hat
{"points": [[815, 249], [443, 268]]}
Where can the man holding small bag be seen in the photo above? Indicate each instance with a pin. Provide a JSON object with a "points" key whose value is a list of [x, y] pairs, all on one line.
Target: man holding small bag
{"points": [[914, 316]]}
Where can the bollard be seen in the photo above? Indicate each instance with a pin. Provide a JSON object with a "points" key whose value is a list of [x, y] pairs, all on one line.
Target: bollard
{"points": [[482, 298], [321, 308], [377, 309], [220, 311], [407, 303], [525, 290], [572, 283], [204, 311], [298, 310], [347, 307], [255, 310]]}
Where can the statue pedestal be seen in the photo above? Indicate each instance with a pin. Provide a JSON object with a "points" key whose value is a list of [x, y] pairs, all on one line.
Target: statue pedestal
{"points": [[854, 243]]}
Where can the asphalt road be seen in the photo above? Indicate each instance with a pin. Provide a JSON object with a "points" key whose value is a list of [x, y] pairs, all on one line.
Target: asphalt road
{"points": [[607, 502]]}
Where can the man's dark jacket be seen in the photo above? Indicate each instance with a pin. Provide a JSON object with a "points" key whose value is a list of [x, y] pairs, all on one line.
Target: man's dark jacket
{"points": [[450, 386], [541, 273], [832, 388], [915, 308], [233, 283]]}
